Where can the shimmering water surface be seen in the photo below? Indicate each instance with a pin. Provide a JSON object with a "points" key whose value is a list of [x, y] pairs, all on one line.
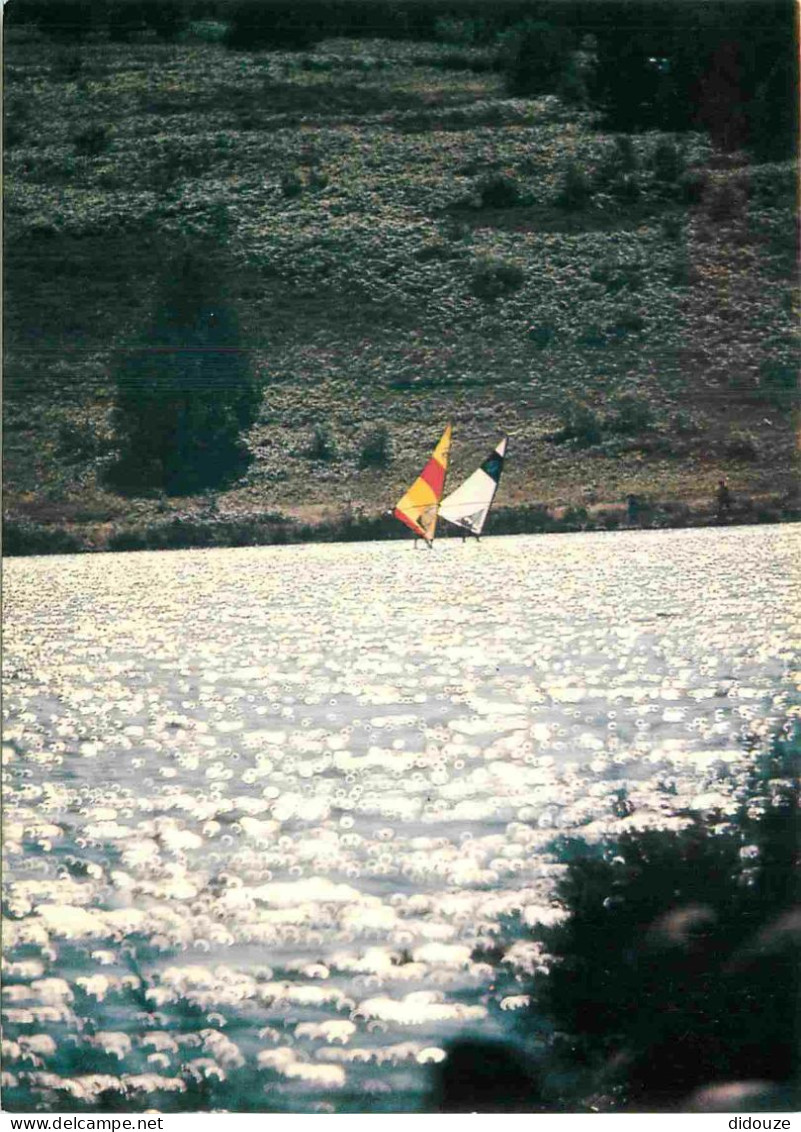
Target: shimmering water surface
{"points": [[261, 804]]}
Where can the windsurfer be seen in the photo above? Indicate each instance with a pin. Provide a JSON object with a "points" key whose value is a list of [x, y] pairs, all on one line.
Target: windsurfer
{"points": [[723, 499]]}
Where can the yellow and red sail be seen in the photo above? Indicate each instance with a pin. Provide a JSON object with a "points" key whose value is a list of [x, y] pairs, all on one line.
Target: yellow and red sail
{"points": [[419, 507]]}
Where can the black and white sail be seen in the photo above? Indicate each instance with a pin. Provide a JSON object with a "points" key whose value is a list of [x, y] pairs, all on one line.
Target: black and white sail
{"points": [[469, 505]]}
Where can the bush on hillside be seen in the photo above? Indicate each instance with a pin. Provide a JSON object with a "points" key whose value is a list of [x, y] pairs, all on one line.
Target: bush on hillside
{"points": [[667, 162], [571, 86], [631, 415], [778, 383], [78, 442], [376, 451], [617, 275], [291, 184], [322, 445], [692, 186], [575, 190], [493, 278], [499, 191], [185, 396], [741, 446], [580, 423], [535, 56]]}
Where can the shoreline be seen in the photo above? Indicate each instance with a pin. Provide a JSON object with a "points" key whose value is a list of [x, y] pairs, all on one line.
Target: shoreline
{"points": [[25, 538]]}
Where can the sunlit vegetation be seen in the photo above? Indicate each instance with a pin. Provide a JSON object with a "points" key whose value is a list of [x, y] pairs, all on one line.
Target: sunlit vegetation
{"points": [[386, 264]]}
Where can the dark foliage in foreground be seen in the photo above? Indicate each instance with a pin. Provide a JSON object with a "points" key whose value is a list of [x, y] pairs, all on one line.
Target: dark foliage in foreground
{"points": [[185, 396], [677, 968]]}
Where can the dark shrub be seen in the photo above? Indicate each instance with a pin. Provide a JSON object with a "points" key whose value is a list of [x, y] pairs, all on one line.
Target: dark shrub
{"points": [[92, 141], [741, 446], [773, 113], [609, 520], [322, 445], [575, 190], [682, 272], [692, 186], [572, 87], [185, 395], [77, 443], [580, 423], [376, 449], [683, 423], [318, 180], [575, 517], [626, 188], [499, 191], [592, 335], [617, 275], [678, 965], [542, 335], [627, 322], [291, 184], [21, 537], [494, 278], [631, 415], [672, 227], [625, 154], [535, 56], [778, 382], [667, 161]]}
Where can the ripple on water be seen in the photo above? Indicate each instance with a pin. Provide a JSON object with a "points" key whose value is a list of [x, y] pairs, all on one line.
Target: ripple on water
{"points": [[262, 805]]}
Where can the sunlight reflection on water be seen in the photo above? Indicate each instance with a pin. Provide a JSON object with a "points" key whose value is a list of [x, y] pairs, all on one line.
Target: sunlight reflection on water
{"points": [[261, 804]]}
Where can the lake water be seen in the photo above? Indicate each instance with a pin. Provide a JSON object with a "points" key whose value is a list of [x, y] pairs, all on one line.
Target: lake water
{"points": [[261, 805]]}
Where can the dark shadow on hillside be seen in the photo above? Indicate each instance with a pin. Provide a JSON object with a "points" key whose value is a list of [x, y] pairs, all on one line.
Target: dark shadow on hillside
{"points": [[547, 218], [281, 104]]}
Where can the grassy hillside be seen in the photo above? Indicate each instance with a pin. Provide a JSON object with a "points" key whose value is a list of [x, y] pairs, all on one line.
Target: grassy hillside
{"points": [[409, 245]]}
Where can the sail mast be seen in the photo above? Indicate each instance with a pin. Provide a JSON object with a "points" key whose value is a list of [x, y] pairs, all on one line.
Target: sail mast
{"points": [[418, 507]]}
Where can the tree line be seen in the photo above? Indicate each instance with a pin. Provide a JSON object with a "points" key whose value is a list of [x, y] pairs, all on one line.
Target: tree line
{"points": [[728, 67]]}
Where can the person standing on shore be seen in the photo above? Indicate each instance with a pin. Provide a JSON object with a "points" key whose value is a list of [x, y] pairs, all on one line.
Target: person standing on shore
{"points": [[723, 499]]}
